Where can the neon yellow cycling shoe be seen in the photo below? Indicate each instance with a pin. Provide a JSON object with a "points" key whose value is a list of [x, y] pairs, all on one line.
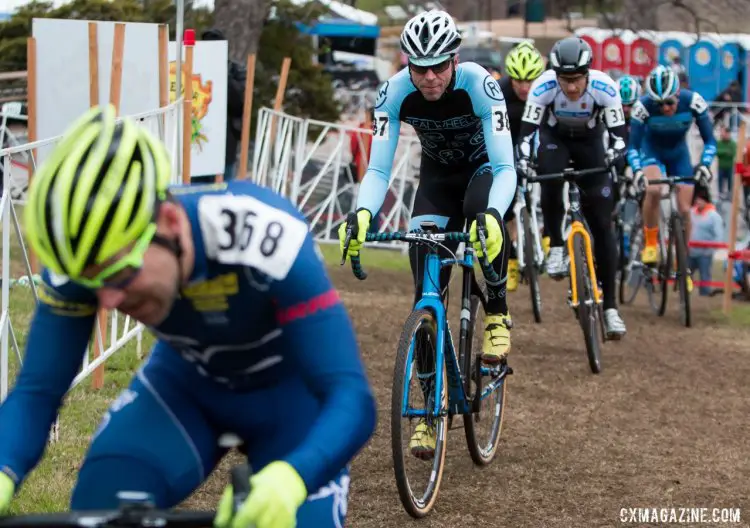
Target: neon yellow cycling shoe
{"points": [[496, 338], [650, 255], [423, 441], [545, 246], [513, 275]]}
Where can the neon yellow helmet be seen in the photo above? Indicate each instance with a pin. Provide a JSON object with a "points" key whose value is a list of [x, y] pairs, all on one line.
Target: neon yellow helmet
{"points": [[96, 195], [524, 62]]}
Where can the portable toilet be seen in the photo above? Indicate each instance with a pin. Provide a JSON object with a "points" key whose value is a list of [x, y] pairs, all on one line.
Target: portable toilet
{"points": [[643, 56], [703, 68]]}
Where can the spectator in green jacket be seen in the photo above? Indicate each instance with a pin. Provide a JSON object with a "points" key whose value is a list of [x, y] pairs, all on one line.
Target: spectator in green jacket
{"points": [[726, 150]]}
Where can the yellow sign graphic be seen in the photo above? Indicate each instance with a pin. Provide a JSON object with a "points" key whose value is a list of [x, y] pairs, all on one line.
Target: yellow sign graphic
{"points": [[202, 97]]}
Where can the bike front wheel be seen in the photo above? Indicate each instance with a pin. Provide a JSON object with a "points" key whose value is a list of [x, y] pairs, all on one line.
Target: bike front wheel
{"points": [[418, 456], [531, 270], [482, 429], [588, 309], [682, 270]]}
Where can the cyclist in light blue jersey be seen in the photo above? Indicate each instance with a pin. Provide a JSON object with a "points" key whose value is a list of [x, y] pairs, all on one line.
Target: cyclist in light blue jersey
{"points": [[252, 338], [467, 165], [660, 121]]}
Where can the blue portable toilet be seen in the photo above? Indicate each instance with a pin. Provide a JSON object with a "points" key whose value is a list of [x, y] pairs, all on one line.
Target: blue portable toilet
{"points": [[729, 65], [670, 48], [703, 68]]}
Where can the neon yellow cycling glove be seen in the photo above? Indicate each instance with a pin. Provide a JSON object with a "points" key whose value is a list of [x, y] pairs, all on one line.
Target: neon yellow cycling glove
{"points": [[493, 240], [7, 488], [276, 493], [363, 224]]}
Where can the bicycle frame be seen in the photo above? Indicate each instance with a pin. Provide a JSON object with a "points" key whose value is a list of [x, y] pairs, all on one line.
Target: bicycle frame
{"points": [[577, 227], [522, 192], [432, 300]]}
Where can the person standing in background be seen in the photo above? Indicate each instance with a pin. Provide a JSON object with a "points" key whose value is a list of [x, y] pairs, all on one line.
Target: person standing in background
{"points": [[726, 150], [707, 226], [237, 75]]}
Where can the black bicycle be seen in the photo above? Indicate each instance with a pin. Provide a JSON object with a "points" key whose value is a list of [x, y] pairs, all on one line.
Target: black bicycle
{"points": [[136, 510], [673, 266]]}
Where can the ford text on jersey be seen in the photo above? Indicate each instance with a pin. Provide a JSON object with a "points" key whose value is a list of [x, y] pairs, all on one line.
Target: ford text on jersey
{"points": [[667, 134], [258, 306], [548, 106], [467, 127]]}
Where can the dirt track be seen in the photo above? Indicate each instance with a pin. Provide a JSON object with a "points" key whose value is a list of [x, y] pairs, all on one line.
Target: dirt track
{"points": [[665, 423]]}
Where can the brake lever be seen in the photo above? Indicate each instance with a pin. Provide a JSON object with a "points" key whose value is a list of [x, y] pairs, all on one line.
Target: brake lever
{"points": [[352, 230]]}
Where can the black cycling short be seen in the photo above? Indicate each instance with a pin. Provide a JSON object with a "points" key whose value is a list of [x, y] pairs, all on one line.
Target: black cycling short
{"points": [[452, 202], [556, 152]]}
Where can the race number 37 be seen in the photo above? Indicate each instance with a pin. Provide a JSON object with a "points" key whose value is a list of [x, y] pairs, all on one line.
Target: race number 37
{"points": [[380, 126], [500, 121], [241, 230]]}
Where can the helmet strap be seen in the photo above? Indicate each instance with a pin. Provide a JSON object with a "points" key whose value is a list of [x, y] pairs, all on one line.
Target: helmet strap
{"points": [[173, 246]]}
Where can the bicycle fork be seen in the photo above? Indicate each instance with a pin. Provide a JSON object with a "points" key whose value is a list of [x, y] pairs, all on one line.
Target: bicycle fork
{"points": [[576, 228]]}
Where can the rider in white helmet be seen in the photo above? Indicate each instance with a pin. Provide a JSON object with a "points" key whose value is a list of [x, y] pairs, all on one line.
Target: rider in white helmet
{"points": [[459, 114]]}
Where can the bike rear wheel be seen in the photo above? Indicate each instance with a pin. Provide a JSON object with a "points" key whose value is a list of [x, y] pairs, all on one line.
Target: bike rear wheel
{"points": [[482, 446], [417, 344], [531, 271], [682, 270], [588, 310], [631, 274]]}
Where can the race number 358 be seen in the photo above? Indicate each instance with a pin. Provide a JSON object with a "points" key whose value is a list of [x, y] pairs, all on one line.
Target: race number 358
{"points": [[500, 121]]}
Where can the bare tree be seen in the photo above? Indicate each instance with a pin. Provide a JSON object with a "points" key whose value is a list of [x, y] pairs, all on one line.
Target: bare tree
{"points": [[242, 23]]}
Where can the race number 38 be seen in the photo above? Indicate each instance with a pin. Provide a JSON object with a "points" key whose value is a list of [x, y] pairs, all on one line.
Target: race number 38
{"points": [[500, 121], [245, 231]]}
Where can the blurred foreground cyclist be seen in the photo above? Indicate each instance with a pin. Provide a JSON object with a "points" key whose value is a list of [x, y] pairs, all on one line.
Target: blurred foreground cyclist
{"points": [[252, 338]]}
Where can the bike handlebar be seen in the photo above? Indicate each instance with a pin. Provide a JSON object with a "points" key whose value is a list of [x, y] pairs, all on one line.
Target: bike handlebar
{"points": [[419, 237], [671, 180], [567, 174], [135, 511]]}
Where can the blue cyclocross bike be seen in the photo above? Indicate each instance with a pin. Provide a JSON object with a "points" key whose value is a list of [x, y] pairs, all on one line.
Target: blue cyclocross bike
{"points": [[446, 384]]}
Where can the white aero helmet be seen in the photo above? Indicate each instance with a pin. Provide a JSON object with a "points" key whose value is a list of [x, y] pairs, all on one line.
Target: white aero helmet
{"points": [[430, 38]]}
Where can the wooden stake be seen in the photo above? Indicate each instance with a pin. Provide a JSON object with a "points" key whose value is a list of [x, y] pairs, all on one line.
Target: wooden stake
{"points": [[187, 122], [736, 198], [163, 66], [32, 128], [246, 117]]}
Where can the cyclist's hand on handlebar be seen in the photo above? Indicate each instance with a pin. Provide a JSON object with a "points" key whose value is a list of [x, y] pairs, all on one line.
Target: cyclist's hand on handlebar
{"points": [[522, 166], [358, 235], [702, 173], [7, 488], [493, 237], [276, 493], [639, 181]]}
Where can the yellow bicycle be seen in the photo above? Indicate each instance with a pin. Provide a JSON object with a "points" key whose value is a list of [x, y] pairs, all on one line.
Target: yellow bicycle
{"points": [[585, 295]]}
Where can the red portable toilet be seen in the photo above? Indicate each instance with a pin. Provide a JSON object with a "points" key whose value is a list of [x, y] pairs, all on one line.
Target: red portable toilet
{"points": [[613, 55], [595, 47], [643, 57]]}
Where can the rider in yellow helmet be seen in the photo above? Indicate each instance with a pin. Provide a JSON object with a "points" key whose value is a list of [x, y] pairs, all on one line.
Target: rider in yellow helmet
{"points": [[111, 234], [523, 64], [96, 198]]}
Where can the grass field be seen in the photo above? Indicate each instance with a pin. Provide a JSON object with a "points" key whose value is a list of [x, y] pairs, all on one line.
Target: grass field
{"points": [[48, 487]]}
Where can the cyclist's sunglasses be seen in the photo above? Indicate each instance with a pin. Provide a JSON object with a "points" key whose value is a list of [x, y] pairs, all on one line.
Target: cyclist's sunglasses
{"points": [[669, 102], [436, 68]]}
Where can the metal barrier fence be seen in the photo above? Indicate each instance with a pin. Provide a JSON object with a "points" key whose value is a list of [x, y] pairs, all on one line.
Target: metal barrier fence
{"points": [[311, 163], [165, 123]]}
